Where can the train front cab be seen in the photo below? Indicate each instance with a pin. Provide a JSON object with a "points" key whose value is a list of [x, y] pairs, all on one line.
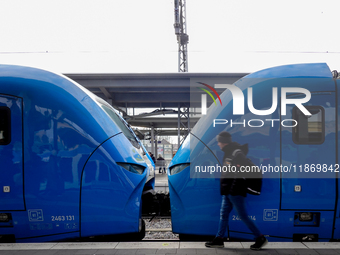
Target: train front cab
{"points": [[71, 168], [300, 205]]}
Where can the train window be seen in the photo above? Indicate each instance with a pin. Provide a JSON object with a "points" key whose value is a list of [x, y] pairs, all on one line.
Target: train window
{"points": [[121, 124], [5, 125], [309, 130]]}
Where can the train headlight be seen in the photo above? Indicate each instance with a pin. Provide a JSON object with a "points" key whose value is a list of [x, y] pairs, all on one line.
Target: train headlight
{"points": [[133, 168], [306, 216], [4, 217], [178, 168]]}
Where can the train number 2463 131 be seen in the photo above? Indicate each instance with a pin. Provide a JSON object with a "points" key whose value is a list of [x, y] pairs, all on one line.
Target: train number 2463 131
{"points": [[62, 218]]}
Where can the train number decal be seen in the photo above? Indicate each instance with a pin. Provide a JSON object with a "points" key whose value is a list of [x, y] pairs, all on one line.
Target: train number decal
{"points": [[62, 218]]}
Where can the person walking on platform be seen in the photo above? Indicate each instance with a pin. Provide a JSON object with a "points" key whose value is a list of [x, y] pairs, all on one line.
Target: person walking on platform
{"points": [[161, 163], [234, 191]]}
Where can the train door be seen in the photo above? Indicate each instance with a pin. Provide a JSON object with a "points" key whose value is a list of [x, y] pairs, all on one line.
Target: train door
{"points": [[309, 149], [11, 154]]}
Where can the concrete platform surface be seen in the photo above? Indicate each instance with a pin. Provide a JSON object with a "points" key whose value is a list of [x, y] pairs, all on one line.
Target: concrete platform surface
{"points": [[161, 182], [164, 247]]}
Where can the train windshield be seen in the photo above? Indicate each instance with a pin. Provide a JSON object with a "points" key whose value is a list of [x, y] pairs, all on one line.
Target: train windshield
{"points": [[127, 131]]}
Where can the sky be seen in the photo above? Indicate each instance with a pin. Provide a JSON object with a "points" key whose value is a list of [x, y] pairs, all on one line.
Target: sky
{"points": [[134, 36]]}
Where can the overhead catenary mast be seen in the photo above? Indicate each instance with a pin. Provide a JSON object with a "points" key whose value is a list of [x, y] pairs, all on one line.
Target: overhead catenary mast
{"points": [[182, 40], [181, 33]]}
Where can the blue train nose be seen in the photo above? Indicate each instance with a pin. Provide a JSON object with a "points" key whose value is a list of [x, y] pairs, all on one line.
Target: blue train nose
{"points": [[188, 181]]}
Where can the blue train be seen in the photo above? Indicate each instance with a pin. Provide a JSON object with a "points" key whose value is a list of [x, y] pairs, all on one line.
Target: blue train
{"points": [[71, 167], [289, 117]]}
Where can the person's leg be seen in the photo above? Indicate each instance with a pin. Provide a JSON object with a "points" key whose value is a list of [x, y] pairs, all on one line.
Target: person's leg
{"points": [[240, 207], [239, 204], [226, 207]]}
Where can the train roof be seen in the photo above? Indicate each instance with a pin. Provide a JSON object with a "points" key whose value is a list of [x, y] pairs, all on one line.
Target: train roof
{"points": [[310, 70], [13, 73]]}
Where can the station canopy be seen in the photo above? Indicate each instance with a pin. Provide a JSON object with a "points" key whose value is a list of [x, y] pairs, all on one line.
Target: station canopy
{"points": [[167, 93]]}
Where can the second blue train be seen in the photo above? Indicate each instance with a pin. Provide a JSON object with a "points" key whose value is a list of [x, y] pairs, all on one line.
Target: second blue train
{"points": [[289, 117]]}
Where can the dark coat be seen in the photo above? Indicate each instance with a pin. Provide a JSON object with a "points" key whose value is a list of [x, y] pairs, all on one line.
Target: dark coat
{"points": [[234, 183]]}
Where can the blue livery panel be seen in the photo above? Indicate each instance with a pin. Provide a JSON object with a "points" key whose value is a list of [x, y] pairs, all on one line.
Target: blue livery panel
{"points": [[11, 153], [103, 178]]}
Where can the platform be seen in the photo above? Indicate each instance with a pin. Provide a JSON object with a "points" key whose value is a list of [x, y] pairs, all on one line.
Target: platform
{"points": [[161, 181], [164, 247]]}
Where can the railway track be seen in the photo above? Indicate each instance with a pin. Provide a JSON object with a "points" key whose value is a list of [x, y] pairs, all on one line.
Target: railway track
{"points": [[159, 227]]}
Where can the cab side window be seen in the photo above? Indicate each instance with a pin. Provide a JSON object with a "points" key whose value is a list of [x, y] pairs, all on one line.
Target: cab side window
{"points": [[309, 129], [5, 125]]}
